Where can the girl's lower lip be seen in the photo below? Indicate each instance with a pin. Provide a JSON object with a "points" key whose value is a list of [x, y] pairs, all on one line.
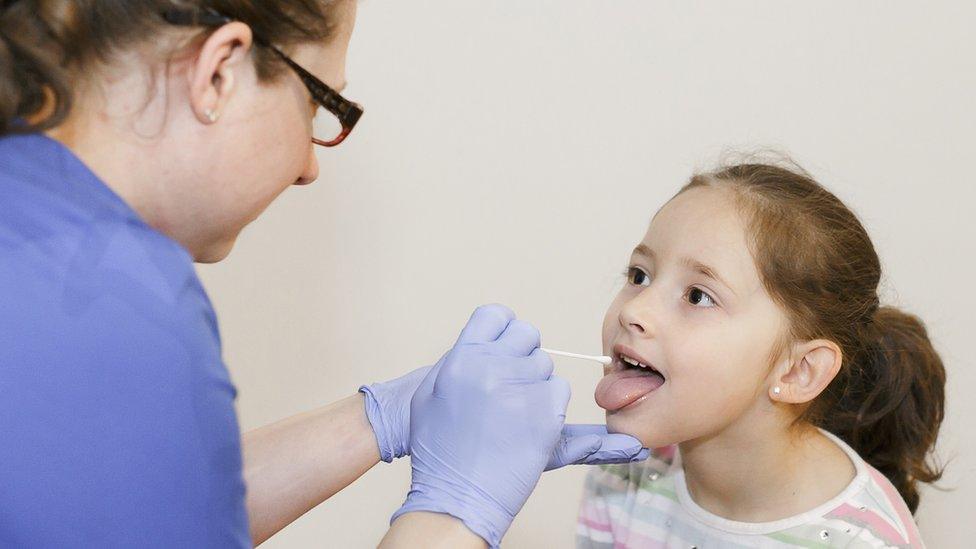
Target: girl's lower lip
{"points": [[621, 388]]}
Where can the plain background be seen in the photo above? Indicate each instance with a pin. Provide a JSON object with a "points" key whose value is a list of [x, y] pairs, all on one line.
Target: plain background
{"points": [[515, 151]]}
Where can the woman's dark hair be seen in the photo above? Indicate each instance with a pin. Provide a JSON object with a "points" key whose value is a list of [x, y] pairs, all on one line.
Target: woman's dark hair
{"points": [[817, 261], [46, 44]]}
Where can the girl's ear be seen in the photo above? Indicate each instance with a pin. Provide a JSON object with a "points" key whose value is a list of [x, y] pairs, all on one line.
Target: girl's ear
{"points": [[812, 367]]}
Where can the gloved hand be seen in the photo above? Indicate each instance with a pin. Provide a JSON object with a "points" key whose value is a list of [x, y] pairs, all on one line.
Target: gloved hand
{"points": [[484, 423], [388, 410]]}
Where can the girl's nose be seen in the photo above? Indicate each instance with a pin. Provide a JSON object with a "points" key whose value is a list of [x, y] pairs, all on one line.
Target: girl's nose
{"points": [[311, 172], [636, 314]]}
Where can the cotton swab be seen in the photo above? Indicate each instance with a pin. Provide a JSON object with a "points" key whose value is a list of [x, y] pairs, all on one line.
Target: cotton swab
{"points": [[601, 359]]}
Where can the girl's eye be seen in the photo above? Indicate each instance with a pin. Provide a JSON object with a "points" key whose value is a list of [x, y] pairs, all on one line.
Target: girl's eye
{"points": [[637, 277], [698, 297]]}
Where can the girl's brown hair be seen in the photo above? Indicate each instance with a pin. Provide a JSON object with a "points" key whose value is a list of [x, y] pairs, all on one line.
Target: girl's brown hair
{"points": [[46, 44], [817, 261]]}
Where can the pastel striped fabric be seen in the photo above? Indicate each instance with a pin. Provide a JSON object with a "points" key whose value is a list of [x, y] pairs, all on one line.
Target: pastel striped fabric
{"points": [[647, 505]]}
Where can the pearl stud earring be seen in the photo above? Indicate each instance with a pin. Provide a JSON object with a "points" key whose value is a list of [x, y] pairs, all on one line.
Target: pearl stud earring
{"points": [[777, 390], [211, 115]]}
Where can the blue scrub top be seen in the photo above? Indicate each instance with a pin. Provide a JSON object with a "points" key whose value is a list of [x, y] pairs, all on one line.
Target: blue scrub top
{"points": [[117, 422]]}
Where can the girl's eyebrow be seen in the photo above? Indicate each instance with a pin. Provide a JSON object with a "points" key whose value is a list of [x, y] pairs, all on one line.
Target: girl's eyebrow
{"points": [[691, 263], [700, 267], [642, 249]]}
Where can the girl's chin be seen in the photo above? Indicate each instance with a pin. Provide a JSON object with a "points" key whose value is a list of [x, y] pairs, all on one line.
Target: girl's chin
{"points": [[633, 427]]}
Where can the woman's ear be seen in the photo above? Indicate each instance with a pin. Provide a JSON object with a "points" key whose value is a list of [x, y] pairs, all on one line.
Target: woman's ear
{"points": [[812, 366], [214, 72]]}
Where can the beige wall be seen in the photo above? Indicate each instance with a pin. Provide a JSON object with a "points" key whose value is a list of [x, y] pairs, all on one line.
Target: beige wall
{"points": [[514, 151]]}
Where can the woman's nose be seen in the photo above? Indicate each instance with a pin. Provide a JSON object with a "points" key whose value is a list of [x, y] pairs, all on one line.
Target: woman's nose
{"points": [[311, 172], [635, 315]]}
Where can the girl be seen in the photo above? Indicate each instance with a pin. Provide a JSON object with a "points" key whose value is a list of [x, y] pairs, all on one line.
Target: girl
{"points": [[785, 405]]}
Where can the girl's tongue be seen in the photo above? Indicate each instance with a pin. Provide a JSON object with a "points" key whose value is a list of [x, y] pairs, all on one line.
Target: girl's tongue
{"points": [[622, 387]]}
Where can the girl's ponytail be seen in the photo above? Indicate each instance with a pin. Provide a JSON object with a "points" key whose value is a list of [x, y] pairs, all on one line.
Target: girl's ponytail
{"points": [[893, 404]]}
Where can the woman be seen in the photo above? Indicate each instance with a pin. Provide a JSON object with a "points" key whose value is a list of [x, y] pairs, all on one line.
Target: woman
{"points": [[135, 138]]}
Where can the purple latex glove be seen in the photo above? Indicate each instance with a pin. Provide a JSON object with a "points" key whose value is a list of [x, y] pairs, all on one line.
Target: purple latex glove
{"points": [[484, 424], [388, 409]]}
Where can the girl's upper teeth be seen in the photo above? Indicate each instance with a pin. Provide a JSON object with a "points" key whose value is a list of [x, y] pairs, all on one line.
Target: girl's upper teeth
{"points": [[632, 362]]}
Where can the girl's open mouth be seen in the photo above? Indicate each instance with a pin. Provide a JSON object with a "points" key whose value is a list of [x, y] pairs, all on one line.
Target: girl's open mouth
{"points": [[629, 379]]}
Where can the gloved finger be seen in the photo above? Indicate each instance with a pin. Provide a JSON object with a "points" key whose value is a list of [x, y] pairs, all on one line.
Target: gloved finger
{"points": [[487, 322], [561, 394], [580, 429], [535, 367], [549, 399], [520, 338], [572, 449], [617, 448]]}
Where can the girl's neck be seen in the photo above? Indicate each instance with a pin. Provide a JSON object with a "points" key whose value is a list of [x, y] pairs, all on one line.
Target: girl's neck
{"points": [[751, 475]]}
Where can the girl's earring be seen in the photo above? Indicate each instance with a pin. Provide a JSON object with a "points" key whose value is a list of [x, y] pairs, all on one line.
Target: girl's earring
{"points": [[777, 390], [211, 115]]}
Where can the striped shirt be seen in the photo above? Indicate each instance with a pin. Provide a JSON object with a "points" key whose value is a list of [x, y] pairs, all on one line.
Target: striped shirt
{"points": [[648, 505]]}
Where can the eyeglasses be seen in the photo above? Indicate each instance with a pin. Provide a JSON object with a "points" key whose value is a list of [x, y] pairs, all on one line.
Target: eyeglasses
{"points": [[346, 112]]}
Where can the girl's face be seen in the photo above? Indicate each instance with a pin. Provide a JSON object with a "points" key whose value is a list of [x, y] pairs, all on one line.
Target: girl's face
{"points": [[694, 309]]}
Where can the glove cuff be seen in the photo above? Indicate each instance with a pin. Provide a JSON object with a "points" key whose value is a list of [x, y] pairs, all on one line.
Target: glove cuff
{"points": [[375, 416], [484, 520]]}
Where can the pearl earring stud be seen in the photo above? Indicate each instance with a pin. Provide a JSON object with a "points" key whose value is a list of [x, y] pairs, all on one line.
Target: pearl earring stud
{"points": [[777, 390], [211, 115]]}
